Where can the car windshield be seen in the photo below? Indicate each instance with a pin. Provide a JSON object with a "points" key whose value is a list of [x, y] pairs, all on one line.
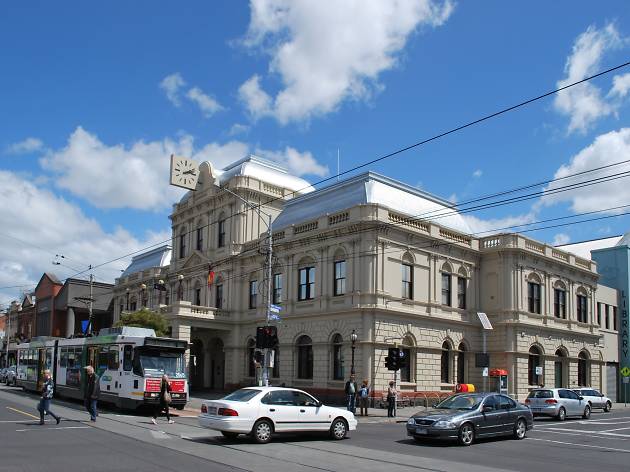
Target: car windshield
{"points": [[242, 395], [169, 363], [461, 402], [540, 394]]}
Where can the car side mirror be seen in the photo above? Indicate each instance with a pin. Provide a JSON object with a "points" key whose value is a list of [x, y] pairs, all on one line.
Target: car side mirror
{"points": [[581, 397], [486, 409], [601, 395]]}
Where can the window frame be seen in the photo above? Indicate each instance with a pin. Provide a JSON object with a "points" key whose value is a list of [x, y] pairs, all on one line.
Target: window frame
{"points": [[560, 303], [182, 246], [253, 294], [407, 280], [199, 239], [533, 297], [221, 233], [277, 288], [218, 296], [304, 358], [337, 357], [339, 273], [446, 291], [306, 288], [461, 292], [581, 308]]}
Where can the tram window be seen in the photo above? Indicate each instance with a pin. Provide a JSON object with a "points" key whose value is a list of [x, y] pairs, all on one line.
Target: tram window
{"points": [[63, 357], [103, 358], [127, 358], [113, 358]]}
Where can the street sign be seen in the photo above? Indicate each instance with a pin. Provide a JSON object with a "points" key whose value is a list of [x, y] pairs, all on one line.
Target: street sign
{"points": [[274, 317], [626, 380], [625, 371], [484, 372], [485, 322], [539, 370], [275, 308], [482, 360]]}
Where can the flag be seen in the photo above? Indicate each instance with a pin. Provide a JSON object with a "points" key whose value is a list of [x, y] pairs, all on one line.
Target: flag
{"points": [[210, 275]]}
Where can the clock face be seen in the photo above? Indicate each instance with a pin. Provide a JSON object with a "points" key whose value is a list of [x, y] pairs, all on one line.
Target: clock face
{"points": [[184, 172]]}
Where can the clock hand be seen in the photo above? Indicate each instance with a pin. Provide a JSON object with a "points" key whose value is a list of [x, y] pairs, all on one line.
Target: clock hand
{"points": [[191, 172]]}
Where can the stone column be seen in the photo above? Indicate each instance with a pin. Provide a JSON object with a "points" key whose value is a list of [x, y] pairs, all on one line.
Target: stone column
{"points": [[69, 322], [207, 367], [182, 331]]}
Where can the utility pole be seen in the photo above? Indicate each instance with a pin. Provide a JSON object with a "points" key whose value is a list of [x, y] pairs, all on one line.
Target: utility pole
{"points": [[7, 339], [90, 301]]}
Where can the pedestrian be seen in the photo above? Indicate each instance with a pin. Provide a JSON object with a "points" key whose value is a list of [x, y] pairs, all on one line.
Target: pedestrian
{"points": [[364, 397], [351, 394], [391, 399], [164, 400], [92, 392], [47, 394]]}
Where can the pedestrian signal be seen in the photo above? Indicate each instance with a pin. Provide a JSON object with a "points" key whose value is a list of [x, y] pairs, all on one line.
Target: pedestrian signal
{"points": [[392, 361], [266, 337]]}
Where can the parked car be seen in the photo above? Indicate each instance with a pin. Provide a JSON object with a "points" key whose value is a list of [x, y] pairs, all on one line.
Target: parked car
{"points": [[468, 416], [3, 374], [595, 398], [263, 411], [558, 403], [10, 376]]}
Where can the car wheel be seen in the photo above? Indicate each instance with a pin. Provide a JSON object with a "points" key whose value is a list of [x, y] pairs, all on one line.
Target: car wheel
{"points": [[338, 429], [607, 407], [229, 434], [562, 414], [466, 434], [520, 429], [587, 412], [262, 431]]}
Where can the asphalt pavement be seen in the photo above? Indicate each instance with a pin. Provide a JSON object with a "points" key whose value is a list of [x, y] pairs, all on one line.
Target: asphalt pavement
{"points": [[129, 441]]}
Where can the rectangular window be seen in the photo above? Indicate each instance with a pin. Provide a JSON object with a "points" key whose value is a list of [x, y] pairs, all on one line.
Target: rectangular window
{"points": [[127, 357], [533, 297], [461, 293], [407, 281], [614, 318], [607, 316], [277, 289], [221, 230], [582, 313], [446, 289], [133, 306], [559, 303], [199, 239], [599, 314], [219, 297], [340, 278], [253, 293], [182, 246], [306, 283], [198, 296]]}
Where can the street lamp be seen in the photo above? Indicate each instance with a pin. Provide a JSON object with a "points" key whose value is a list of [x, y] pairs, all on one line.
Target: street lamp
{"points": [[127, 290], [143, 289], [180, 290], [160, 289], [353, 338]]}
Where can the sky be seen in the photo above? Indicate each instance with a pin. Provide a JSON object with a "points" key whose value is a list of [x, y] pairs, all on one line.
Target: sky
{"points": [[94, 97]]}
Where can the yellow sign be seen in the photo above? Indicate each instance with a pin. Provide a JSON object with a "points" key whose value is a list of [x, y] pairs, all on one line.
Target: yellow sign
{"points": [[625, 371]]}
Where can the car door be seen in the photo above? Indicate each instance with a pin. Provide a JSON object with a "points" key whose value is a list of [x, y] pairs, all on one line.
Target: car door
{"points": [[312, 415], [597, 399], [491, 416], [571, 402], [278, 405], [509, 416]]}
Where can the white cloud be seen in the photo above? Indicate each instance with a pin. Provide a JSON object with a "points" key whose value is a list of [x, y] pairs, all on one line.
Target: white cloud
{"points": [[60, 227], [607, 149], [478, 173], [25, 146], [238, 128], [326, 52], [452, 198], [561, 239], [208, 105], [484, 227], [136, 175], [621, 86], [583, 103], [171, 84]]}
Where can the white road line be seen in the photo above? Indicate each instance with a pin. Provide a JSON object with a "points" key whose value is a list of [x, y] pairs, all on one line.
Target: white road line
{"points": [[580, 445], [50, 429], [582, 433], [17, 421], [615, 429]]}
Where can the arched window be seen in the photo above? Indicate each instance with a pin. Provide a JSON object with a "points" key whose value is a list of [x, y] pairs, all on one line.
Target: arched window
{"points": [[337, 357], [199, 236], [559, 368], [251, 367], [445, 363], [533, 294], [583, 370], [446, 284], [461, 363], [407, 277], [304, 357], [534, 362], [407, 349]]}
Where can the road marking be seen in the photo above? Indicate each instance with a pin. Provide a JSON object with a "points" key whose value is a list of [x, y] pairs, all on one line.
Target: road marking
{"points": [[580, 445], [23, 412], [615, 429], [16, 421], [49, 429]]}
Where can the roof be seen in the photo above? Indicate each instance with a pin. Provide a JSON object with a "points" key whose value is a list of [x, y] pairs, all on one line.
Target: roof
{"points": [[584, 248], [158, 257], [371, 188], [263, 170]]}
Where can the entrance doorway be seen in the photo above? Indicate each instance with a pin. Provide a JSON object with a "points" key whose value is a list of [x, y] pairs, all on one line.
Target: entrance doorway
{"points": [[196, 364], [217, 365]]}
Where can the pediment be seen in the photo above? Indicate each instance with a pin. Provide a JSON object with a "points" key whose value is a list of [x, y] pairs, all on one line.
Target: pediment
{"points": [[194, 260]]}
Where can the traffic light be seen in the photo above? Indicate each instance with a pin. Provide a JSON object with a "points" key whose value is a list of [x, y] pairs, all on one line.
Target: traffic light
{"points": [[258, 357], [392, 361], [402, 359], [266, 337]]}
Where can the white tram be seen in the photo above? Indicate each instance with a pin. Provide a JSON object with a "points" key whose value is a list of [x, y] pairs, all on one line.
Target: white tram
{"points": [[129, 362]]}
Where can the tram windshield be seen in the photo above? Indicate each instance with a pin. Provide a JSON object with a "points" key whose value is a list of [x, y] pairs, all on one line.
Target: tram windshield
{"points": [[155, 364]]}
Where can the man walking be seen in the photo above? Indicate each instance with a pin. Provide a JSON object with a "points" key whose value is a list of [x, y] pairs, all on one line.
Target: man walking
{"points": [[391, 399], [47, 394], [351, 394], [91, 392]]}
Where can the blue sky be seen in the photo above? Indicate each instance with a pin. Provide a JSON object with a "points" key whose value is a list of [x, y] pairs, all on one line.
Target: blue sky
{"points": [[93, 98]]}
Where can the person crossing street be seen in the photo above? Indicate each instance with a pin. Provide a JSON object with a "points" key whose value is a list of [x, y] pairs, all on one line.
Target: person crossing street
{"points": [[47, 395], [91, 392]]}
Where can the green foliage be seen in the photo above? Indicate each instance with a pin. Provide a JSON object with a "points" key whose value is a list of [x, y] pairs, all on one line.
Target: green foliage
{"points": [[145, 318]]}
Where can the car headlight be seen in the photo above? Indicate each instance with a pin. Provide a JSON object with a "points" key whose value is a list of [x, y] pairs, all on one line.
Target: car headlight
{"points": [[443, 424], [411, 421]]}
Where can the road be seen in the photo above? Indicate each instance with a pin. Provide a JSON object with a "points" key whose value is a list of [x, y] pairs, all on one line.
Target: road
{"points": [[120, 441]]}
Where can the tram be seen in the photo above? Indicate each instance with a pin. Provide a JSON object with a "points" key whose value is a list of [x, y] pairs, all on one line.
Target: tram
{"points": [[129, 362]]}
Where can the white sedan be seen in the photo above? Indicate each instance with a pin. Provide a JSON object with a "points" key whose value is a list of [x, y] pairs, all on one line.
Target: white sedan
{"points": [[263, 411]]}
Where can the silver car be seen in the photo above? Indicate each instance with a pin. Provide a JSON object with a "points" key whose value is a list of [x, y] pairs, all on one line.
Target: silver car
{"points": [[10, 376], [558, 403], [595, 398]]}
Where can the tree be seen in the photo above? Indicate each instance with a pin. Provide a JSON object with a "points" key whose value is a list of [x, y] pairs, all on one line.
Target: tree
{"points": [[145, 318]]}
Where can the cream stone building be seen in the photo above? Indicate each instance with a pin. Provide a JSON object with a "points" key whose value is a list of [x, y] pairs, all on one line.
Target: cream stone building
{"points": [[373, 256]]}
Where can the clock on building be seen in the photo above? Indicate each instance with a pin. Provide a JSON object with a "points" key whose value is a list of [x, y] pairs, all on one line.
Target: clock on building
{"points": [[184, 172]]}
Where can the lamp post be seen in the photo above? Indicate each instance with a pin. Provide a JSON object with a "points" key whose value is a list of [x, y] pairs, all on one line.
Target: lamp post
{"points": [[353, 338], [180, 290], [127, 290], [143, 289], [160, 289]]}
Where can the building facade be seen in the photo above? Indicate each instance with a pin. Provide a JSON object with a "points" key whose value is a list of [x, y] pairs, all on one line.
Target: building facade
{"points": [[369, 255]]}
